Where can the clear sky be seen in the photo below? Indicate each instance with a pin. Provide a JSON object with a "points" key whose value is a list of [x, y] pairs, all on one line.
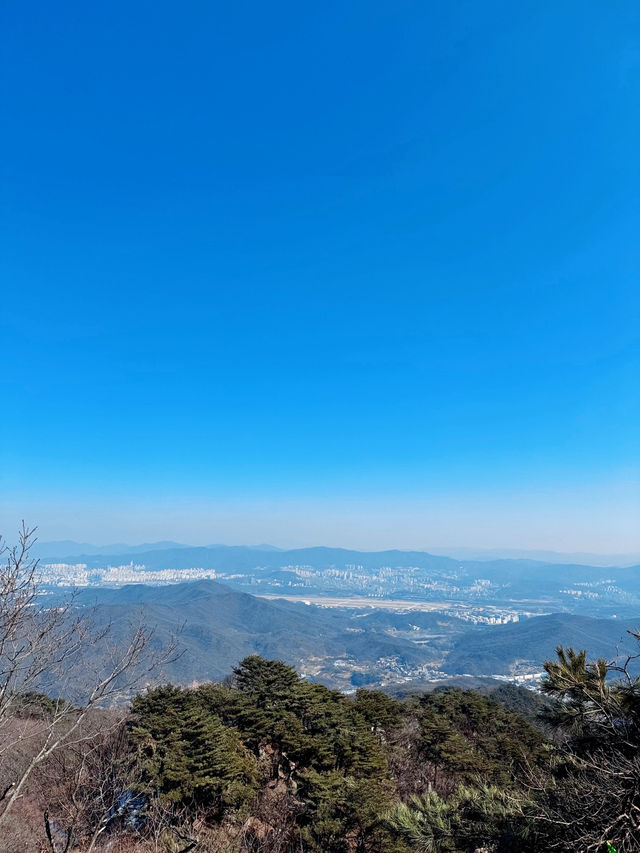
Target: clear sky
{"points": [[347, 273]]}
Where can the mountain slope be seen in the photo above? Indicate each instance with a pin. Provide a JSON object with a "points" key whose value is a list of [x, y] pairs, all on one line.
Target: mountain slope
{"points": [[499, 649], [220, 626]]}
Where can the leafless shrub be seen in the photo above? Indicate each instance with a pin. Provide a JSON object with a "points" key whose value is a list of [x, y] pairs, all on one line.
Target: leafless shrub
{"points": [[42, 645]]}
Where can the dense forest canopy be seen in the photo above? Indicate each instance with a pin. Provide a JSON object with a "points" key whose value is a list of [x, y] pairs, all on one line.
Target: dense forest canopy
{"points": [[271, 762]]}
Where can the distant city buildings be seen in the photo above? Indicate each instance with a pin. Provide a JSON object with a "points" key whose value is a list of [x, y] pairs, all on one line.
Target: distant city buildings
{"points": [[64, 574], [384, 584]]}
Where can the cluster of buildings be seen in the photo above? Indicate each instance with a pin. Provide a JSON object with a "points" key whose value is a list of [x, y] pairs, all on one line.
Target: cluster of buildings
{"points": [[67, 574]]}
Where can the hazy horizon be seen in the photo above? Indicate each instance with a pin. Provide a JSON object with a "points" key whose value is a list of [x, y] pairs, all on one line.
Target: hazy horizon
{"points": [[70, 548], [413, 525]]}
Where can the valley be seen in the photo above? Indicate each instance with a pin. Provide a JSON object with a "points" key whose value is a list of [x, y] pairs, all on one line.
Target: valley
{"points": [[345, 645]]}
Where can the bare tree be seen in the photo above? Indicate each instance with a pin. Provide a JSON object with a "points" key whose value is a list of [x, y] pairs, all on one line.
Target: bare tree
{"points": [[89, 784], [51, 644], [272, 826], [169, 827]]}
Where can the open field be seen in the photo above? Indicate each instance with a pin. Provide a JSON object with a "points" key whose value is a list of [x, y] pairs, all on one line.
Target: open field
{"points": [[379, 603]]}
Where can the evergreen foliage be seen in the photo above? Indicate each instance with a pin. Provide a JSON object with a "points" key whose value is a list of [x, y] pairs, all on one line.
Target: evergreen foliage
{"points": [[466, 735], [338, 759], [593, 801], [194, 746], [472, 817], [271, 763], [189, 756]]}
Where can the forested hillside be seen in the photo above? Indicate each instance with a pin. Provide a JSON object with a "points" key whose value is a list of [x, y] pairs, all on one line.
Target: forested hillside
{"points": [[270, 763], [342, 648]]}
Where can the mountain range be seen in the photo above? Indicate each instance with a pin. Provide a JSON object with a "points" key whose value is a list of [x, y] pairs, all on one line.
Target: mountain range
{"points": [[493, 590], [169, 555], [218, 626], [67, 548]]}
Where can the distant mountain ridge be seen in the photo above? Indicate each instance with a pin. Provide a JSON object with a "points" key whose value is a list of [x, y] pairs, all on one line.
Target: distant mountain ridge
{"points": [[573, 558], [66, 548], [491, 590], [237, 557], [168, 554]]}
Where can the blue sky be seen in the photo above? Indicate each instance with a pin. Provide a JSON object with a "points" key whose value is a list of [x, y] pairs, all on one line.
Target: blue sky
{"points": [[352, 273]]}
